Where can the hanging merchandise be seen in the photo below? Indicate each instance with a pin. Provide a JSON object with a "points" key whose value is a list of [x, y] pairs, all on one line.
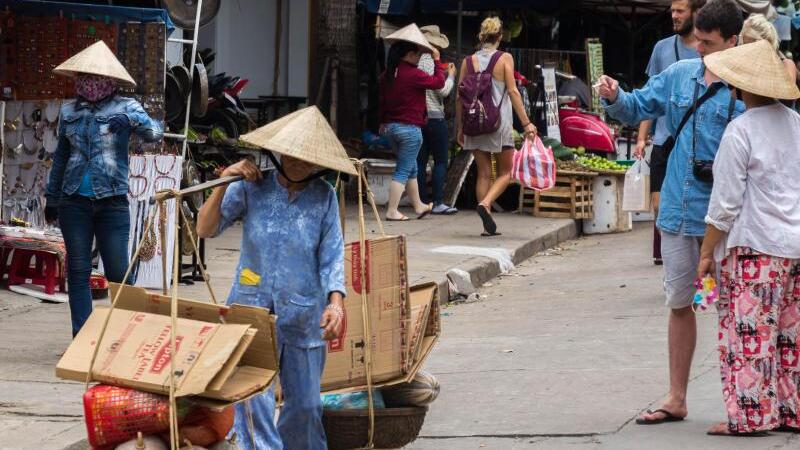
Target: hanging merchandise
{"points": [[37, 37], [148, 175]]}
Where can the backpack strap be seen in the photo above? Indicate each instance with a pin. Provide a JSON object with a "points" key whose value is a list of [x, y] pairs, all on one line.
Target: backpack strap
{"points": [[470, 65], [493, 61]]}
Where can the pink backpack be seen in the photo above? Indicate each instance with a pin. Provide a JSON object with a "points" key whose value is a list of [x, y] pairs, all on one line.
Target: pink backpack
{"points": [[479, 113]]}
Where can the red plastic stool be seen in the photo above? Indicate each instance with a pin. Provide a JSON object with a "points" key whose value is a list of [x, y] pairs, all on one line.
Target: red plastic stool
{"points": [[46, 272], [5, 265]]}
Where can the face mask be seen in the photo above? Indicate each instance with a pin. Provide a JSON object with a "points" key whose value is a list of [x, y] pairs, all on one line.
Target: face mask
{"points": [[94, 87]]}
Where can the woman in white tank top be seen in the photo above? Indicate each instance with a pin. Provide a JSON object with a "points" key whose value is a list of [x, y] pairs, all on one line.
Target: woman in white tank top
{"points": [[501, 141]]}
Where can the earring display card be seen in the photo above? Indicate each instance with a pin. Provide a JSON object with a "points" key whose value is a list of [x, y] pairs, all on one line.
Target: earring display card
{"points": [[41, 46], [142, 52]]}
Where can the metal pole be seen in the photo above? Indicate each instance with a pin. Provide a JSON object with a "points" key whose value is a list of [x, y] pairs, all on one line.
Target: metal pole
{"points": [[458, 32], [196, 30]]}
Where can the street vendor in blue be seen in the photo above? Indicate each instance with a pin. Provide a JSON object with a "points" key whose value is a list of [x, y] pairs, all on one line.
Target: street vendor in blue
{"points": [[292, 262]]}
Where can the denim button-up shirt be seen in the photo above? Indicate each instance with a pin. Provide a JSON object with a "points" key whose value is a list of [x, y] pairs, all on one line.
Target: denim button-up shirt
{"points": [[684, 199], [86, 143], [294, 245]]}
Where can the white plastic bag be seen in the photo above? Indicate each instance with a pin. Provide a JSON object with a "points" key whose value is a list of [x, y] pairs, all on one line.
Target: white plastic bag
{"points": [[636, 193]]}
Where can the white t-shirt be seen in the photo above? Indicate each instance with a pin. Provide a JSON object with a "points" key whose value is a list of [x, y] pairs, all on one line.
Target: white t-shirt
{"points": [[756, 193]]}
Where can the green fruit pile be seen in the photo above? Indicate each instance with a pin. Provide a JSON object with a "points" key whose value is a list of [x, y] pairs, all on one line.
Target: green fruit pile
{"points": [[599, 163]]}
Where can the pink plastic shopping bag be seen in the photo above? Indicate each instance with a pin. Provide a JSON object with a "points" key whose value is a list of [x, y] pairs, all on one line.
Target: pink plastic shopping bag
{"points": [[534, 165]]}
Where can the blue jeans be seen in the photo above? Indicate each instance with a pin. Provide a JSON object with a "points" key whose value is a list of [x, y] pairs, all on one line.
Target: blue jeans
{"points": [[82, 220], [300, 422], [406, 141], [434, 144]]}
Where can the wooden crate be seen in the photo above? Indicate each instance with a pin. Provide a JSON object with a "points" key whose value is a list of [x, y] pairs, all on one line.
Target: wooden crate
{"points": [[570, 198]]}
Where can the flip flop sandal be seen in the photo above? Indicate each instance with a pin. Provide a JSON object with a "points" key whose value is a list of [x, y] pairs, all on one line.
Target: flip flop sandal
{"points": [[424, 214], [488, 223], [402, 219], [668, 417], [485, 234]]}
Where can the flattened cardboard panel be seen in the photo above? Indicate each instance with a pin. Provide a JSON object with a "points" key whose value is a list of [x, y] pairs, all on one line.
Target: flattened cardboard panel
{"points": [[387, 291]]}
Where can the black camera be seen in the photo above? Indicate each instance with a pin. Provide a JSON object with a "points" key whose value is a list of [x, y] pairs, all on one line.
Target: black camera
{"points": [[702, 170]]}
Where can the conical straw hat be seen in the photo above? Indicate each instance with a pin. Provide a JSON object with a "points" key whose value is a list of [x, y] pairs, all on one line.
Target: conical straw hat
{"points": [[410, 33], [755, 68], [95, 59], [306, 135]]}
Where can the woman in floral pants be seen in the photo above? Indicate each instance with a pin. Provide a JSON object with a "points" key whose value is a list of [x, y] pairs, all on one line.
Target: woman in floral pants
{"points": [[753, 233], [759, 323]]}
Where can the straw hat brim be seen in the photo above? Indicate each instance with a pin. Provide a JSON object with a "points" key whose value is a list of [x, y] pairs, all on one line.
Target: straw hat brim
{"points": [[96, 59], [754, 68], [435, 37], [410, 33], [306, 135]]}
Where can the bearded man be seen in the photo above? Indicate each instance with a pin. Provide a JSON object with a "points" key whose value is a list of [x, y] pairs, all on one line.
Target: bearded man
{"points": [[667, 51]]}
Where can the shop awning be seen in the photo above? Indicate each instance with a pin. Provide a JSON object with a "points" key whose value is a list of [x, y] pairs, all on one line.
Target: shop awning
{"points": [[82, 11]]}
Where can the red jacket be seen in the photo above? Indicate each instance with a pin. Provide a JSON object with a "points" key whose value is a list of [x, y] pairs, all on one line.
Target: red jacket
{"points": [[404, 100]]}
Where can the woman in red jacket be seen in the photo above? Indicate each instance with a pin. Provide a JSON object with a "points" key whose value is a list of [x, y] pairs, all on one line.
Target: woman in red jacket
{"points": [[403, 112]]}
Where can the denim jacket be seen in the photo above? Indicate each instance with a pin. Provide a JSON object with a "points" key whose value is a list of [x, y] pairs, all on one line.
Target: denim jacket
{"points": [[684, 199], [295, 248], [84, 139]]}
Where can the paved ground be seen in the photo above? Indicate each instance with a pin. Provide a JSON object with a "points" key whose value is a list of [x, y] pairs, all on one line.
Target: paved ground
{"points": [[564, 352], [41, 412], [560, 354]]}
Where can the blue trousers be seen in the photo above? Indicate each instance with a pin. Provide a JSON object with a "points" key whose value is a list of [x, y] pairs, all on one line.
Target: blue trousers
{"points": [[406, 141], [83, 220], [434, 143], [300, 423]]}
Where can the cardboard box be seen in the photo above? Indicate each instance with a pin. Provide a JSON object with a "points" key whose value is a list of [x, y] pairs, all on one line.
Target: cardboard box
{"points": [[428, 293], [226, 362], [387, 288], [422, 297]]}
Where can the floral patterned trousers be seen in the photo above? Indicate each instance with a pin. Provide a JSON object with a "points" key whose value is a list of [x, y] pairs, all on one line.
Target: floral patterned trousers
{"points": [[759, 325]]}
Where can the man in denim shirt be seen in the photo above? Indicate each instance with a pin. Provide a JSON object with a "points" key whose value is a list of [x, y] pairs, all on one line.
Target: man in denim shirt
{"points": [[684, 198], [88, 186]]}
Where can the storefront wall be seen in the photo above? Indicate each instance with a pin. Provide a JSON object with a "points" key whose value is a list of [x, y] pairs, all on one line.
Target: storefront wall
{"points": [[243, 37]]}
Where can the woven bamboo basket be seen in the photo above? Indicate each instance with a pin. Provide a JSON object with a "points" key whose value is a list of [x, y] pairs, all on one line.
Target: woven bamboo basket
{"points": [[394, 427]]}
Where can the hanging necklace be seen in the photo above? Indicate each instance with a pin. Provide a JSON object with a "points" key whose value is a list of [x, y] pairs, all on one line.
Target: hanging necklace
{"points": [[149, 241], [31, 143], [13, 112], [51, 111], [172, 159], [133, 162], [162, 186], [133, 193]]}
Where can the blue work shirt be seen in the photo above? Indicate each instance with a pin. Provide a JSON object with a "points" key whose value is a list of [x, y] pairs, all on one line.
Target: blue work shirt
{"points": [[84, 140], [684, 199], [295, 245], [664, 56]]}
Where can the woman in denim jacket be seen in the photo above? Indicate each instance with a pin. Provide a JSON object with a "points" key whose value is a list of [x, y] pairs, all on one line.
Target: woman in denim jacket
{"points": [[88, 186]]}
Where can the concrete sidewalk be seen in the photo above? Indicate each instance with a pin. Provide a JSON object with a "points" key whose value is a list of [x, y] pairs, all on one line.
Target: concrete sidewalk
{"points": [[39, 411]]}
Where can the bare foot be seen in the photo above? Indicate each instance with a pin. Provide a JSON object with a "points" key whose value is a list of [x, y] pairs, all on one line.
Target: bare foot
{"points": [[720, 429]]}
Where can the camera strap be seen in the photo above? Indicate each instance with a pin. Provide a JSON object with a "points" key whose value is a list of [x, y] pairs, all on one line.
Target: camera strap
{"points": [[712, 91]]}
